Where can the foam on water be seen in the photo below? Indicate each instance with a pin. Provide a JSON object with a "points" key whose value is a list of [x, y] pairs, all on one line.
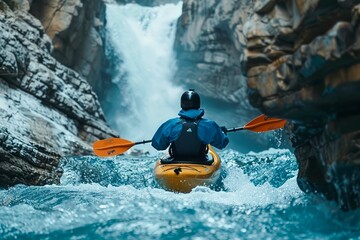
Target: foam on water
{"points": [[143, 37], [117, 198]]}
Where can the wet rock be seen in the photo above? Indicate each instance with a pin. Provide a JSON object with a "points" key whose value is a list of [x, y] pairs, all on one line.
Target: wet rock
{"points": [[263, 6], [300, 60], [76, 29], [47, 109], [208, 58]]}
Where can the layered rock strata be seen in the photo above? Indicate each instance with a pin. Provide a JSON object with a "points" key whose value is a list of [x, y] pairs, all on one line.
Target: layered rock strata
{"points": [[300, 60], [309, 74], [47, 109], [208, 50], [77, 31]]}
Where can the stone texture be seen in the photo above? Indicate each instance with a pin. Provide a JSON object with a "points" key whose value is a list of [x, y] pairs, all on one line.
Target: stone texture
{"points": [[76, 29], [300, 61], [47, 110], [207, 57], [209, 45]]}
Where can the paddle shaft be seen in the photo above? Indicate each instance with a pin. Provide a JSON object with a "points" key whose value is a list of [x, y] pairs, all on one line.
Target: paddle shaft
{"points": [[116, 146], [227, 130], [260, 126], [142, 142], [234, 129]]}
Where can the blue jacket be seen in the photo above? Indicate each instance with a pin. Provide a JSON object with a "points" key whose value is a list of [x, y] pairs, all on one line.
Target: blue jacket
{"points": [[208, 131]]}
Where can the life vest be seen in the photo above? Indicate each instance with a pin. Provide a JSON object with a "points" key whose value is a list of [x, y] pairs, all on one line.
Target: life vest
{"points": [[188, 147]]}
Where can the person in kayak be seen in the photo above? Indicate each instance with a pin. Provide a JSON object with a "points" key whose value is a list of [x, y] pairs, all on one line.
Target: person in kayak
{"points": [[189, 134]]}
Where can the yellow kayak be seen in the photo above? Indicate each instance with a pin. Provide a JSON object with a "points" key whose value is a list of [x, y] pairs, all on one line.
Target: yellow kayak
{"points": [[183, 177]]}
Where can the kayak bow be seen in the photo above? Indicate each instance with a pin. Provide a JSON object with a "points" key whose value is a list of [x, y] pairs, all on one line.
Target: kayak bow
{"points": [[183, 177]]}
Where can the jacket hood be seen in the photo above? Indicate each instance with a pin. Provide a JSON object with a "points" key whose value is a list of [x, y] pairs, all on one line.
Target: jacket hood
{"points": [[192, 113]]}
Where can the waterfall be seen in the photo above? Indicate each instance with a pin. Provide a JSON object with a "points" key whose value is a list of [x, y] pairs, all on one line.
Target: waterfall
{"points": [[142, 40]]}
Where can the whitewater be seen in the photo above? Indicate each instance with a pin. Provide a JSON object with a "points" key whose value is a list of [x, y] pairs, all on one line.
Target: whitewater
{"points": [[257, 196]]}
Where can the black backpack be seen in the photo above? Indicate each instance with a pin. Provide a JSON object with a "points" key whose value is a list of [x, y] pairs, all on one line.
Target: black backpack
{"points": [[188, 147]]}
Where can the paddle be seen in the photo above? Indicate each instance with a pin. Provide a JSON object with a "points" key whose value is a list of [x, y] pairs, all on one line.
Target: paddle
{"points": [[261, 123], [115, 146]]}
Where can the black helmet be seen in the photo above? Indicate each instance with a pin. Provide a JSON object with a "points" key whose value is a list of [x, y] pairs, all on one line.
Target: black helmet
{"points": [[190, 100]]}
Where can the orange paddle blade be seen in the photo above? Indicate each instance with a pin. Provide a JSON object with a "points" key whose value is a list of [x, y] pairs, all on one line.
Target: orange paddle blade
{"points": [[263, 123], [111, 146], [259, 119]]}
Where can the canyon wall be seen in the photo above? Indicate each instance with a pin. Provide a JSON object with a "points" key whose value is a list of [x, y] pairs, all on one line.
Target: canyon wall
{"points": [[48, 110], [297, 60]]}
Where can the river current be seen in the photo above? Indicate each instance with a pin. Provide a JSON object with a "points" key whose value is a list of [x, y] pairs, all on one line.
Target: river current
{"points": [[257, 196], [118, 198]]}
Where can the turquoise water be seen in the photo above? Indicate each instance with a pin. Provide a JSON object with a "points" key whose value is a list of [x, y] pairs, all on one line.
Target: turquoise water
{"points": [[117, 198]]}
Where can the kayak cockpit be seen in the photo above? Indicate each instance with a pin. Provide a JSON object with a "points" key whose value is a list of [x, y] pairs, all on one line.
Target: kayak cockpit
{"points": [[207, 160], [185, 175]]}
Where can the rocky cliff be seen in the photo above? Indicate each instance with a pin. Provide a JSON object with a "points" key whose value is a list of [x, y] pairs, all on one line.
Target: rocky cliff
{"points": [[47, 110], [208, 58], [77, 31], [297, 60]]}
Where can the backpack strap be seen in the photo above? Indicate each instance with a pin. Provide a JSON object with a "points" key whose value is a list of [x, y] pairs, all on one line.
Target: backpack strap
{"points": [[188, 146]]}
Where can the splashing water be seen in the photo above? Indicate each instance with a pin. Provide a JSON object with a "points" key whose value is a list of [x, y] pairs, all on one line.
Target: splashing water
{"points": [[117, 198], [143, 38]]}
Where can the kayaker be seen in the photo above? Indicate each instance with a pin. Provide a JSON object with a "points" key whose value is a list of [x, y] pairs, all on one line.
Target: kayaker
{"points": [[189, 134]]}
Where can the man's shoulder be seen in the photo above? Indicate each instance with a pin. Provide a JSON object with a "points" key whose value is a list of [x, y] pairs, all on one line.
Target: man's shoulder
{"points": [[172, 121], [208, 122]]}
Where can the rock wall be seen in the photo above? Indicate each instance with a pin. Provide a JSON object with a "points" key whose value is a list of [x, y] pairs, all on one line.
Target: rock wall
{"points": [[300, 61], [76, 28], [208, 50], [208, 53], [47, 109], [311, 76]]}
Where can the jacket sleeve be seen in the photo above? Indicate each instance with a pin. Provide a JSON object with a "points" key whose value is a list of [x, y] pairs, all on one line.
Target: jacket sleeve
{"points": [[210, 133], [220, 140], [166, 134]]}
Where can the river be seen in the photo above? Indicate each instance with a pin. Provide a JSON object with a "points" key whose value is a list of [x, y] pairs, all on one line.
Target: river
{"points": [[257, 196], [117, 198]]}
